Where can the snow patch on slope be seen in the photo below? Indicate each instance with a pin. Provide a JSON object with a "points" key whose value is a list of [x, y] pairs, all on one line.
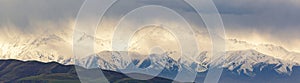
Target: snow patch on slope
{"points": [[245, 60]]}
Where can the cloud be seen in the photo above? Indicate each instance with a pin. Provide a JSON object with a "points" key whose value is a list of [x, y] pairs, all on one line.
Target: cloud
{"points": [[25, 14], [271, 20], [277, 17]]}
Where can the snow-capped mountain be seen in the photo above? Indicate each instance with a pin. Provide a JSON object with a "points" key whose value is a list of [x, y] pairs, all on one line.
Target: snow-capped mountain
{"points": [[113, 60], [241, 56], [268, 49], [248, 59], [44, 47], [239, 61]]}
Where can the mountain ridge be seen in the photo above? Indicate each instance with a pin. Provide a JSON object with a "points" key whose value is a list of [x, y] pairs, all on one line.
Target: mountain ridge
{"points": [[17, 71], [55, 47], [68, 74], [245, 60]]}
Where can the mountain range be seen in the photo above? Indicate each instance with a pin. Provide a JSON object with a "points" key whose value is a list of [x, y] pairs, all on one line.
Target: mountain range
{"points": [[247, 62], [15, 71], [244, 59]]}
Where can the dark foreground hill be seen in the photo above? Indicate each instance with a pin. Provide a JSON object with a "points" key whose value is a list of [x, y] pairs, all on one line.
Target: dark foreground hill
{"points": [[12, 71], [15, 71]]}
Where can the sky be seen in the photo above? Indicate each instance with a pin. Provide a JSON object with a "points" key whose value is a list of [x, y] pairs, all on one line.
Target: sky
{"points": [[257, 21]]}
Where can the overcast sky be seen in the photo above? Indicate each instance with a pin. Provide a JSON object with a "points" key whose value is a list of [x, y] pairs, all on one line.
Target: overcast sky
{"points": [[270, 20]]}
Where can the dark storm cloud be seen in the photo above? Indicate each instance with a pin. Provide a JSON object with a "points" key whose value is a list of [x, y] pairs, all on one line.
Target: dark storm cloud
{"points": [[23, 13], [259, 14], [280, 18], [272, 21]]}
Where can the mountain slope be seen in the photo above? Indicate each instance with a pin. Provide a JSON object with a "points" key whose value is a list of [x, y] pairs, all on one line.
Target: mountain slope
{"points": [[46, 48], [13, 71], [32, 71], [240, 61], [275, 51]]}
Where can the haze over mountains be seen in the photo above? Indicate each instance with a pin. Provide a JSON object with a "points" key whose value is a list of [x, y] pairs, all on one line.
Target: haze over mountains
{"points": [[262, 41], [241, 56]]}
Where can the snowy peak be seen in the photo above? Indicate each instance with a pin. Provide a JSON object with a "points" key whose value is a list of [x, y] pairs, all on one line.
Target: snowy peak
{"points": [[114, 60], [275, 51], [244, 61], [58, 47], [247, 60], [44, 48]]}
